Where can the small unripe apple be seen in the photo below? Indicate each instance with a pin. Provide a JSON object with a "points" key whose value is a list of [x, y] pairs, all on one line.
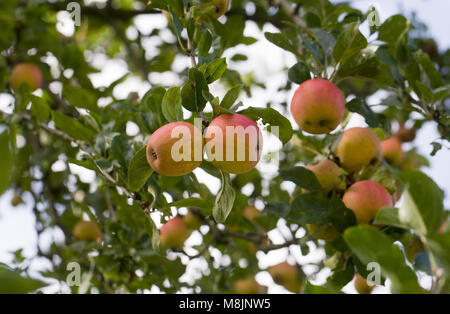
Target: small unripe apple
{"points": [[318, 106], [175, 149], [233, 143], [391, 150], [361, 285], [221, 6], [250, 212], [365, 198], [247, 286], [357, 148], [26, 73], [87, 231], [329, 175], [329, 233], [192, 220], [286, 275], [173, 233]]}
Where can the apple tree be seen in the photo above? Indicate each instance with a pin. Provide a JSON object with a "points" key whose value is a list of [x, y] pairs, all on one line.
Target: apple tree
{"points": [[357, 195]]}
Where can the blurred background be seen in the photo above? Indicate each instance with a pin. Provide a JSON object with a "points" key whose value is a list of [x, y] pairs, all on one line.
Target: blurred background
{"points": [[267, 63]]}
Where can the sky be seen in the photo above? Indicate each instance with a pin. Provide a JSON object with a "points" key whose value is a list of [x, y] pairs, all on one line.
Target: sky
{"points": [[266, 61]]}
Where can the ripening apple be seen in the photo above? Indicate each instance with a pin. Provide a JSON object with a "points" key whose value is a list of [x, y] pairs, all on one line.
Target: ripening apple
{"points": [[87, 231], [175, 149], [391, 150], [250, 212], [361, 285], [365, 198], [26, 73], [327, 233], [247, 286], [221, 6], [357, 148], [405, 134], [318, 106], [286, 275], [173, 233], [329, 175], [192, 220], [233, 143]]}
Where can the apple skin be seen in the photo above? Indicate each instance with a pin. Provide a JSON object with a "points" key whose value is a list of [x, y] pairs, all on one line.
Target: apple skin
{"points": [[173, 233], [328, 174], [250, 212], [247, 286], [159, 149], [391, 150], [318, 106], [221, 7], [253, 146], [192, 221], [365, 198], [87, 231], [404, 134], [26, 73], [358, 148], [329, 233], [361, 285], [286, 275]]}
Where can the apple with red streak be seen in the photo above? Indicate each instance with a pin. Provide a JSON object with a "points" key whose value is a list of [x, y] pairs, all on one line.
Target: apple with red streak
{"points": [[365, 198], [240, 140], [318, 106], [391, 150], [173, 233], [26, 73]]}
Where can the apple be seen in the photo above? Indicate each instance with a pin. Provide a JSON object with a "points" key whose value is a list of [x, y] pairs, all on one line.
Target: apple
{"points": [[357, 148], [391, 150], [361, 285], [250, 212], [404, 134], [192, 220], [318, 106], [329, 232], [247, 286], [233, 143], [175, 149], [27, 73], [329, 175], [365, 198], [286, 275], [87, 231], [173, 233]]}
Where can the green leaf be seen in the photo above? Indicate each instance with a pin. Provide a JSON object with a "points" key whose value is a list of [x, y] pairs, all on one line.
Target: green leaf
{"points": [[373, 119], [299, 73], [73, 127], [224, 199], [283, 41], [171, 105], [231, 96], [371, 245], [14, 283], [436, 147], [309, 208], [440, 246], [215, 70], [190, 202], [40, 108], [6, 161], [193, 90], [422, 207], [205, 43], [139, 170], [389, 216], [302, 177], [349, 42], [121, 150], [393, 29], [274, 119]]}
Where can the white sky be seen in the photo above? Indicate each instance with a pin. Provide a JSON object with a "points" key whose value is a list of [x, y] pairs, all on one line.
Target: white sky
{"points": [[266, 61]]}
